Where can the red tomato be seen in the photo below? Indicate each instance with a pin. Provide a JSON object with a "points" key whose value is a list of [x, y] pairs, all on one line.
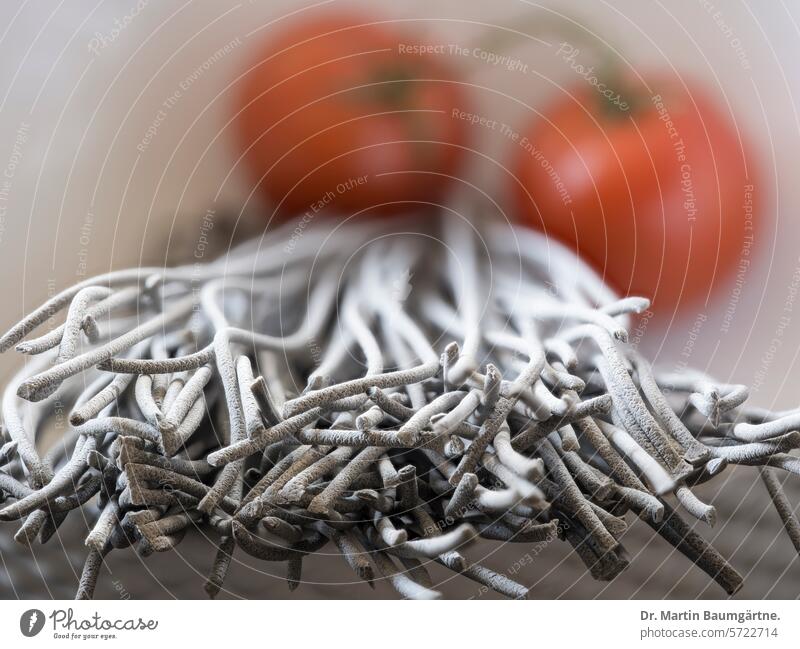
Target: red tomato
{"points": [[654, 197], [339, 111]]}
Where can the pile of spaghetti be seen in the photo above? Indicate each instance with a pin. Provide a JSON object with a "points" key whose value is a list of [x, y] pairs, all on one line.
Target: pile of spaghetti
{"points": [[398, 394]]}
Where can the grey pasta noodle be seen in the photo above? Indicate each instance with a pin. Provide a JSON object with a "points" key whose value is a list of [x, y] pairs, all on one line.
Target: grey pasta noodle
{"points": [[362, 389]]}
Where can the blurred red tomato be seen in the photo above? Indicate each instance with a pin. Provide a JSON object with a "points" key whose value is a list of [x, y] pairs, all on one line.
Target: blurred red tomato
{"points": [[653, 196], [339, 111]]}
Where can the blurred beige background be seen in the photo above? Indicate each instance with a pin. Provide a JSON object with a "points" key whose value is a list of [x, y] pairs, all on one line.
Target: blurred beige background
{"points": [[86, 188]]}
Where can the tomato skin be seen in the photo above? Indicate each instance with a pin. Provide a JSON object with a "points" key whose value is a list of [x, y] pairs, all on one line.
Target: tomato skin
{"points": [[652, 197], [332, 99]]}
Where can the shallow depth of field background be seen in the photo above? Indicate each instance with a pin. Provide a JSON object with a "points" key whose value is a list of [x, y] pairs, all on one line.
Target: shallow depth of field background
{"points": [[84, 188]]}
